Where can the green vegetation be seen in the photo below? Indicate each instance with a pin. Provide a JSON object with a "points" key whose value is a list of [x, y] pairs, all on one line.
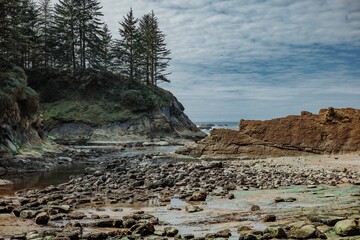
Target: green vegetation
{"points": [[18, 102]]}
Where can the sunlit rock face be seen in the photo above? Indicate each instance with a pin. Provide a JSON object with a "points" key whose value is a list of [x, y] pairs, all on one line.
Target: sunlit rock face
{"points": [[330, 131]]}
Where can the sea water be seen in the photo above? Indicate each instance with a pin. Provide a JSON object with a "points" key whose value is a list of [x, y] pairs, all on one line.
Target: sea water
{"points": [[217, 125]]}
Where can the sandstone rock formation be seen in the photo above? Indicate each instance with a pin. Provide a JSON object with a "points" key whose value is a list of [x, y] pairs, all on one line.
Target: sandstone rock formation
{"points": [[330, 131]]}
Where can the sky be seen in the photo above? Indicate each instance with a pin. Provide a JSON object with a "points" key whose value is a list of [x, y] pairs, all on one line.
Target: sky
{"points": [[256, 59]]}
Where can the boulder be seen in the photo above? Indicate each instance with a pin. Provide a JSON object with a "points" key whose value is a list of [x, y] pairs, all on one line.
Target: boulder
{"points": [[274, 232], [198, 196], [42, 218], [347, 227], [143, 229], [192, 209], [171, 231]]}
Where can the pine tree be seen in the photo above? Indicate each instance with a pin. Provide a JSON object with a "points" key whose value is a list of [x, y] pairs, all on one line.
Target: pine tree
{"points": [[45, 33], [106, 54], [128, 46], [155, 54], [66, 28]]}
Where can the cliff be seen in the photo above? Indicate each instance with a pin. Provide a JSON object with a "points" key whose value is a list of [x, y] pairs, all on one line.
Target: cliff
{"points": [[20, 119], [106, 107], [330, 131]]}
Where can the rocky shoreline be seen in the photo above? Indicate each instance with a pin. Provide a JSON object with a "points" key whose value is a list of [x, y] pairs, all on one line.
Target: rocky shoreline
{"points": [[73, 210]]}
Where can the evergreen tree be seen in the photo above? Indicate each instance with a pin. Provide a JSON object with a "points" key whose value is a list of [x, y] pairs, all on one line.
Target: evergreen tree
{"points": [[66, 28], [155, 54], [128, 46], [46, 33], [106, 54]]}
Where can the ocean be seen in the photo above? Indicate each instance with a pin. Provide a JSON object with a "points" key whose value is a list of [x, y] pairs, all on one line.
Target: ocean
{"points": [[206, 127]]}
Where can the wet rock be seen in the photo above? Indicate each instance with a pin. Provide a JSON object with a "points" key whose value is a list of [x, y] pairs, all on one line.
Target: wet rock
{"points": [[109, 223], [347, 227], [171, 231], [269, 218], [188, 236], [144, 229], [274, 232], [305, 232], [248, 236], [160, 232], [221, 234], [254, 208], [33, 235], [192, 209], [4, 210], [279, 199], [129, 222], [198, 196], [28, 214], [76, 215], [96, 236], [243, 228], [327, 220], [230, 196], [21, 236], [42, 218]]}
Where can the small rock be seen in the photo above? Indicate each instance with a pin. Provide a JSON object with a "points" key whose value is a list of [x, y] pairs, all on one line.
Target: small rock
{"points": [[188, 236], [42, 218], [230, 196], [198, 196], [274, 232], [144, 229], [192, 208], [279, 199], [347, 228], [270, 218], [28, 214], [171, 231], [255, 208]]}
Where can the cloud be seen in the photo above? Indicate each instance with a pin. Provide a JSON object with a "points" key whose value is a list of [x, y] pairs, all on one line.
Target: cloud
{"points": [[237, 59]]}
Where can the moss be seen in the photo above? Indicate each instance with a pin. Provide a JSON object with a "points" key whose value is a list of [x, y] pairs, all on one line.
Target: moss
{"points": [[91, 112]]}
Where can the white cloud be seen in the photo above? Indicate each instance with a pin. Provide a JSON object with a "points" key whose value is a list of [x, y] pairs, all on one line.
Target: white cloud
{"points": [[267, 58]]}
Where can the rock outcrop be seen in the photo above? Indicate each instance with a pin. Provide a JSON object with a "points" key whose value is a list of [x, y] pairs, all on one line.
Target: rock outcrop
{"points": [[330, 131], [19, 110], [164, 122]]}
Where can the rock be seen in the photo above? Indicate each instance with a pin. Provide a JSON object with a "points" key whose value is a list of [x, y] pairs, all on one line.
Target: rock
{"points": [[188, 236], [128, 223], [243, 228], [327, 220], [28, 214], [221, 234], [230, 196], [332, 130], [171, 231], [192, 208], [248, 236], [42, 218], [160, 233], [144, 229], [77, 215], [96, 236], [279, 199], [347, 227], [18, 236], [109, 223], [305, 232], [198, 196], [274, 232], [269, 218], [254, 208]]}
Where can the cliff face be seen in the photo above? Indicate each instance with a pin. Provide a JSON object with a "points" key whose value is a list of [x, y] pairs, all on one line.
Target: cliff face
{"points": [[330, 131], [19, 110], [165, 122]]}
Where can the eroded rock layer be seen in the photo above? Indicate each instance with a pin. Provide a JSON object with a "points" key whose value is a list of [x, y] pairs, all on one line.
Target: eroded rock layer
{"points": [[330, 131]]}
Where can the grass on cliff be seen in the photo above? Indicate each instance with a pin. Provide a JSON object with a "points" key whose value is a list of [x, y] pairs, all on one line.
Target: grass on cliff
{"points": [[95, 98]]}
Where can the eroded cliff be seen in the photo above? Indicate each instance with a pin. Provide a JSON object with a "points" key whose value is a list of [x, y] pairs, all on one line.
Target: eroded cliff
{"points": [[330, 131], [19, 110]]}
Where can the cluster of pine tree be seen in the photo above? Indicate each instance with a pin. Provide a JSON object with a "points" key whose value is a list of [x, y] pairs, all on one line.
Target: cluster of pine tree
{"points": [[70, 37]]}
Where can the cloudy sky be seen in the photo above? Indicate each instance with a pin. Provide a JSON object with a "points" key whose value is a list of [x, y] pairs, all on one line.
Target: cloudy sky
{"points": [[256, 59]]}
